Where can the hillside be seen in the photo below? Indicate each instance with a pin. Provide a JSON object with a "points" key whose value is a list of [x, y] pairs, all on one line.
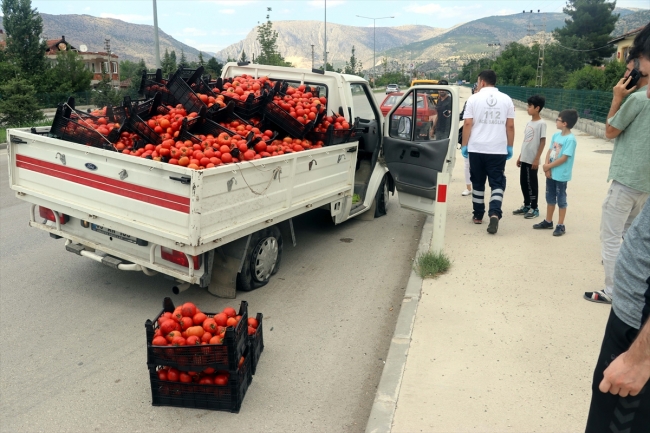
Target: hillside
{"points": [[631, 21], [128, 41], [295, 39]]}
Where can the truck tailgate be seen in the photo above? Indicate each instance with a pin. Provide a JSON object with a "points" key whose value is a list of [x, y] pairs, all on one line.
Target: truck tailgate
{"points": [[155, 200]]}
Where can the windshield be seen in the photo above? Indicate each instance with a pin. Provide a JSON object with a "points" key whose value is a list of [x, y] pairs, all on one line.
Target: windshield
{"points": [[390, 101], [408, 102]]}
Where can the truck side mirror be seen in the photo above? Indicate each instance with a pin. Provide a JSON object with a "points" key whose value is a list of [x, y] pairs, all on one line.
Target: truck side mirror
{"points": [[404, 127]]}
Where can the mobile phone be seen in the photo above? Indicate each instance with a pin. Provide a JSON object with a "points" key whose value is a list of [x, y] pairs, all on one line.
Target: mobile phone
{"points": [[636, 75]]}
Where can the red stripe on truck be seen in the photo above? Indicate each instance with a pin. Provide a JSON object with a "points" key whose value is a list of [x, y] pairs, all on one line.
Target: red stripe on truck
{"points": [[442, 193], [113, 186]]}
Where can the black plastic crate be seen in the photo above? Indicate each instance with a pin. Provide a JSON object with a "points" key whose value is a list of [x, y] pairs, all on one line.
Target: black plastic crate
{"points": [[256, 344], [223, 356], [334, 136], [183, 93], [205, 126], [283, 120], [64, 128], [137, 125], [253, 104], [193, 395]]}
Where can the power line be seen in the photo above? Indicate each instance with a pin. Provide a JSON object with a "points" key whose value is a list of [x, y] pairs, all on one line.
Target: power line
{"points": [[582, 51]]}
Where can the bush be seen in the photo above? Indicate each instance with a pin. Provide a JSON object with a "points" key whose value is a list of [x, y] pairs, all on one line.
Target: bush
{"points": [[18, 104], [587, 78]]}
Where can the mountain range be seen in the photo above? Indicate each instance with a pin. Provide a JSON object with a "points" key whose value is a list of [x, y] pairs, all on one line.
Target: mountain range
{"points": [[404, 44]]}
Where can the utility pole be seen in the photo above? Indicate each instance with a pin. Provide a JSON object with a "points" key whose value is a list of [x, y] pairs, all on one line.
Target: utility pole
{"points": [[497, 46], [532, 30], [374, 42], [312, 56], [107, 47], [156, 42], [325, 50]]}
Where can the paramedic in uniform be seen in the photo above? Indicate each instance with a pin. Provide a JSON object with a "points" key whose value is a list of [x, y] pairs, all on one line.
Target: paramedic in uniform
{"points": [[488, 135]]}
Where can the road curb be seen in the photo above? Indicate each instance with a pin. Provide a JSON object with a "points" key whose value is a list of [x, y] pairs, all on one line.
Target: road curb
{"points": [[385, 403], [3, 146]]}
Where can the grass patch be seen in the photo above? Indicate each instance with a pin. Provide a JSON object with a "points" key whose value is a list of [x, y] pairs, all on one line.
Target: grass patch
{"points": [[3, 129], [356, 198], [430, 265]]}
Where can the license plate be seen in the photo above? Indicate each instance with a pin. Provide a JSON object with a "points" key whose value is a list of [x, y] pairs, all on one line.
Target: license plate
{"points": [[113, 233]]}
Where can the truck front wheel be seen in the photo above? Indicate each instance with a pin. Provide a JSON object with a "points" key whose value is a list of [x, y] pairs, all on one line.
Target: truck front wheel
{"points": [[262, 259]]}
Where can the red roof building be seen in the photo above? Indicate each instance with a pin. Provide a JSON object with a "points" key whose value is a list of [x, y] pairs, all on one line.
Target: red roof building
{"points": [[96, 61]]}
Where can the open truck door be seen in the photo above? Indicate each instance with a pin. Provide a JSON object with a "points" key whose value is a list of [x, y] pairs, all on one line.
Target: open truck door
{"points": [[417, 146]]}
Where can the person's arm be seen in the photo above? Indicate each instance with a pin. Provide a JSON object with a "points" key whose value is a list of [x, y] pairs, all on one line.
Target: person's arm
{"points": [[561, 160], [510, 131], [547, 161], [619, 93], [629, 372], [467, 130], [540, 150]]}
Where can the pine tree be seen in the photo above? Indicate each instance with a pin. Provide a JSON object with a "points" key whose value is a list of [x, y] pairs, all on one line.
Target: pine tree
{"points": [[354, 66], [243, 57], [165, 64], [25, 49], [589, 27], [183, 60], [269, 52], [172, 62], [214, 67], [18, 104], [201, 61]]}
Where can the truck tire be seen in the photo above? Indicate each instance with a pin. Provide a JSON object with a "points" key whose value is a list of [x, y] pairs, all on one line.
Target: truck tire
{"points": [[381, 199], [262, 259]]}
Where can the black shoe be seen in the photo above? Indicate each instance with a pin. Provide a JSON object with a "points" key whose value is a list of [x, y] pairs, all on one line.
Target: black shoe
{"points": [[559, 230], [543, 225], [493, 226], [477, 221]]}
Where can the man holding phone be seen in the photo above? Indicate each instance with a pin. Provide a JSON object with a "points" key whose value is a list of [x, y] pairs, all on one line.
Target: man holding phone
{"points": [[628, 123]]}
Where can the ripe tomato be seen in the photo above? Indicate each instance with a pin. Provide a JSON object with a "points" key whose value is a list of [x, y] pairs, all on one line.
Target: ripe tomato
{"points": [[193, 340], [216, 340], [178, 341], [168, 326], [251, 330], [221, 319], [206, 337], [231, 322], [229, 311], [209, 325], [186, 322], [196, 330], [185, 378], [188, 309], [159, 341], [162, 374], [253, 322], [221, 380], [199, 318], [177, 314], [173, 375], [172, 335], [206, 380]]}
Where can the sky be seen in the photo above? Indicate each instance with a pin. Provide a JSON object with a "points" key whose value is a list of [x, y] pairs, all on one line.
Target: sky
{"points": [[211, 25]]}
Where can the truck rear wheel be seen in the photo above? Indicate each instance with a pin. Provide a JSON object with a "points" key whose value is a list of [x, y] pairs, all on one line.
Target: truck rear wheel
{"points": [[262, 259]]}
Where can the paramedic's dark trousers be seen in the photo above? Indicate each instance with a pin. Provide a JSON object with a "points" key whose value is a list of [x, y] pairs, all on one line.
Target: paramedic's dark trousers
{"points": [[484, 166]]}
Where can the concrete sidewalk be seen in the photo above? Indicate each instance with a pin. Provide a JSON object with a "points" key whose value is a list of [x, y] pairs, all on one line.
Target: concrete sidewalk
{"points": [[505, 342]]}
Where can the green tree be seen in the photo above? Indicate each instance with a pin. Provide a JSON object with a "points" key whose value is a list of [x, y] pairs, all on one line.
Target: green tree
{"points": [[384, 65], [269, 53], [614, 71], [172, 61], [354, 66], [23, 26], [587, 78], [18, 104], [243, 58], [214, 67], [183, 61], [588, 27], [69, 74], [201, 61], [105, 94], [7, 69]]}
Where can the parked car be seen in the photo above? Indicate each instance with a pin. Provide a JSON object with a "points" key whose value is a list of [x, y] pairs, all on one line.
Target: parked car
{"points": [[426, 111], [392, 88], [389, 101]]}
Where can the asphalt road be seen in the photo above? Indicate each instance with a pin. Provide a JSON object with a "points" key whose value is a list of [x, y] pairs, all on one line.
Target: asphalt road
{"points": [[74, 357]]}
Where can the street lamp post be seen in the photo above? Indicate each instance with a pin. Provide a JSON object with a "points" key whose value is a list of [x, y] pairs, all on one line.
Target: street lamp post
{"points": [[155, 32], [374, 58]]}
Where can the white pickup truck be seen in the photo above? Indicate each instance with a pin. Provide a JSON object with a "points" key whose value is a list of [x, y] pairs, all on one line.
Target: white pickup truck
{"points": [[221, 228]]}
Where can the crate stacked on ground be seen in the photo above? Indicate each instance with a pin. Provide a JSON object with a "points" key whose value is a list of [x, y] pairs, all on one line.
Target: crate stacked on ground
{"points": [[195, 373]]}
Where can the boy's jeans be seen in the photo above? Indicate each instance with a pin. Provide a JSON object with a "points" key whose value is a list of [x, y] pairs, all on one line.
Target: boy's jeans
{"points": [[620, 207], [482, 166], [556, 193]]}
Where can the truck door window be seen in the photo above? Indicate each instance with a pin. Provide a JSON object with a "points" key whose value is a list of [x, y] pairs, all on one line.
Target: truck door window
{"points": [[419, 123], [362, 106]]}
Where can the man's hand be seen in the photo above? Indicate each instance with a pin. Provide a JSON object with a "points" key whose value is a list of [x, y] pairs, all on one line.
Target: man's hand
{"points": [[509, 149], [519, 161], [535, 164], [625, 377], [464, 152], [619, 90]]}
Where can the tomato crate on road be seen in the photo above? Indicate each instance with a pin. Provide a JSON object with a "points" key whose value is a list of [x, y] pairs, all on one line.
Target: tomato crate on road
{"points": [[256, 344], [223, 356], [193, 395]]}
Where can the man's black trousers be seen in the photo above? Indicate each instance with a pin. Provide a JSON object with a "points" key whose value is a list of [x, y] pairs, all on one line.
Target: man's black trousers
{"points": [[484, 166], [612, 413]]}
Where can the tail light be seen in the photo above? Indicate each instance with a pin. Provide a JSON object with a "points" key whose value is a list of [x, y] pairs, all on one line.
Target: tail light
{"points": [[178, 257], [49, 215]]}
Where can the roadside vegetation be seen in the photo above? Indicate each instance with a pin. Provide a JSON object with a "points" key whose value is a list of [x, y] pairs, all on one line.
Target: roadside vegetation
{"points": [[430, 264]]}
